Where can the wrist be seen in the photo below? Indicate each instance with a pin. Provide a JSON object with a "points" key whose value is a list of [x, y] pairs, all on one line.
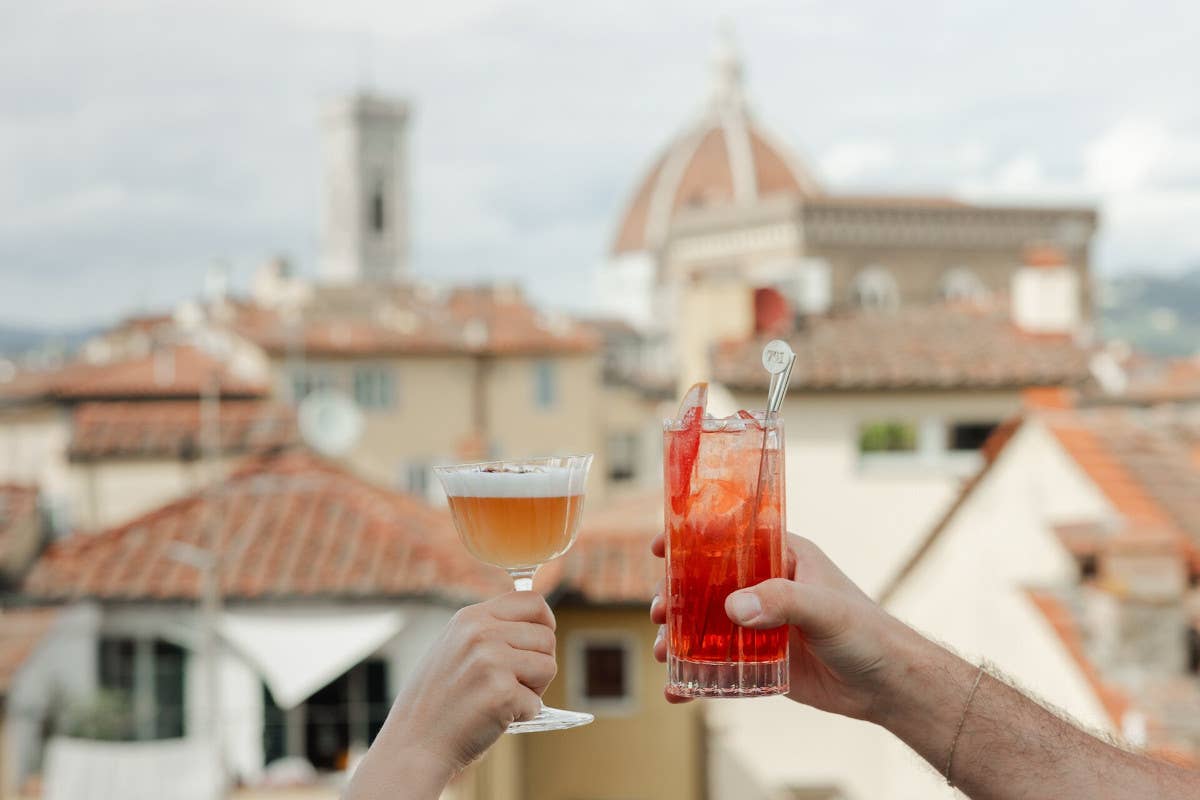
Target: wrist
{"points": [[400, 757], [915, 674], [422, 775]]}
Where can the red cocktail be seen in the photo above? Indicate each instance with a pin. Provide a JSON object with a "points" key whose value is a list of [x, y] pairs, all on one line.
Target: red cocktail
{"points": [[725, 531]]}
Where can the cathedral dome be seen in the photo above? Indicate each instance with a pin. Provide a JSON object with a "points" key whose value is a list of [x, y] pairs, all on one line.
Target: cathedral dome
{"points": [[725, 159]]}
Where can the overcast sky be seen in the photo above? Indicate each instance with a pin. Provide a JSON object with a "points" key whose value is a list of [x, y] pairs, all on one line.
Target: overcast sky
{"points": [[143, 140]]}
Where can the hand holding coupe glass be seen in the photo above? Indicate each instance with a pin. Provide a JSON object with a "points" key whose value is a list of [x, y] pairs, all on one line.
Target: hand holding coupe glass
{"points": [[517, 515]]}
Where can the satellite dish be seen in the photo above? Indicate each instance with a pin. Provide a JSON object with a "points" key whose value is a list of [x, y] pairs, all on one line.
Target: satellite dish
{"points": [[330, 423]]}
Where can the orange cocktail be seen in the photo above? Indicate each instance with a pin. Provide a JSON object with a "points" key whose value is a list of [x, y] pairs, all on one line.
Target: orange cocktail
{"points": [[516, 532], [725, 531]]}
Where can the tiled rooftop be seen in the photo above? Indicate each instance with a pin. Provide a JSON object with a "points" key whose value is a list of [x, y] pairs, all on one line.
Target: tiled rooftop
{"points": [[179, 371], [936, 347], [1142, 461], [286, 526], [172, 429], [611, 561], [494, 320]]}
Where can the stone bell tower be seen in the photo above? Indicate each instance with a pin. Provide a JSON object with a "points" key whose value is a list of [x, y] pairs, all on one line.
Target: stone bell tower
{"points": [[364, 215]]}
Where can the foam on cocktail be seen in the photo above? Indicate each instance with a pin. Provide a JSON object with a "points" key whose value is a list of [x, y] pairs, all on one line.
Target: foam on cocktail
{"points": [[539, 482]]}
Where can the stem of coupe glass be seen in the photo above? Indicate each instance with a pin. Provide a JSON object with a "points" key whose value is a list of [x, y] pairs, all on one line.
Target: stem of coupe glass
{"points": [[522, 578]]}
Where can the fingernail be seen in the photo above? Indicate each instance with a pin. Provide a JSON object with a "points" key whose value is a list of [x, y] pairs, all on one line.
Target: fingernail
{"points": [[662, 631], [744, 606], [654, 603]]}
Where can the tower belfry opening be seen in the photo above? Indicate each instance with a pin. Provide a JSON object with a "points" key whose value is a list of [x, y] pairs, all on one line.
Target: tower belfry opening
{"points": [[364, 227]]}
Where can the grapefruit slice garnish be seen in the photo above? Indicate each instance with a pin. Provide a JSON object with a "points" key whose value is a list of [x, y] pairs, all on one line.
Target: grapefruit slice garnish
{"points": [[684, 444]]}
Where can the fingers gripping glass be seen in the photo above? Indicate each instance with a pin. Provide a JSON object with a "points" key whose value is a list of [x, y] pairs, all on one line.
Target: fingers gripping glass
{"points": [[517, 515]]}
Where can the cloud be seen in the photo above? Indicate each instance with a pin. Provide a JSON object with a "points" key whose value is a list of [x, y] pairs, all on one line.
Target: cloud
{"points": [[853, 161], [140, 140], [1125, 157]]}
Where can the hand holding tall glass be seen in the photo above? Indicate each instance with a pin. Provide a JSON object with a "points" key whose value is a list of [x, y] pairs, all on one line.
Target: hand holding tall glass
{"points": [[724, 513], [517, 515]]}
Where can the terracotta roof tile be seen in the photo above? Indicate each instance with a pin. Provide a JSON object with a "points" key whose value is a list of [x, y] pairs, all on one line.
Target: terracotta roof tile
{"points": [[934, 347], [169, 372], [172, 429], [1161, 380], [401, 320], [1140, 464], [1138, 460], [611, 561], [1045, 256], [287, 525]]}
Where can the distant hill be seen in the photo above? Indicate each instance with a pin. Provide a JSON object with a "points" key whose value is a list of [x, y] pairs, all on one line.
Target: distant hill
{"points": [[1158, 314], [18, 341]]}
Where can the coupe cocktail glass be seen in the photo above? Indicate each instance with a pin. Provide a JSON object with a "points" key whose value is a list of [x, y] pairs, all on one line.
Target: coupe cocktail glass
{"points": [[725, 531], [517, 515]]}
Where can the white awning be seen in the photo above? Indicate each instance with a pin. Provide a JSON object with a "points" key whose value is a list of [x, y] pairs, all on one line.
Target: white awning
{"points": [[297, 651]]}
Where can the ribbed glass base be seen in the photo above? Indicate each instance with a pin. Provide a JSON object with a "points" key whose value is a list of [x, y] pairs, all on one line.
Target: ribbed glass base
{"points": [[726, 678]]}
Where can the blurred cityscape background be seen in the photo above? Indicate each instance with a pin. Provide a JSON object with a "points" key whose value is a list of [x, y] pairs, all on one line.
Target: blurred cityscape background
{"points": [[263, 266]]}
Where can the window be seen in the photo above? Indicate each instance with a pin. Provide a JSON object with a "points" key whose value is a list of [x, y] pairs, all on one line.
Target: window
{"points": [[307, 379], [875, 289], [545, 384], [601, 673], [148, 674], [961, 284], [887, 437], [374, 387], [970, 435], [413, 478], [622, 457], [378, 208], [348, 710], [1089, 567]]}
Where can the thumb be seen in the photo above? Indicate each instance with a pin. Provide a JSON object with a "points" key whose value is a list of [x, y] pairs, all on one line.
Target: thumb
{"points": [[780, 601]]}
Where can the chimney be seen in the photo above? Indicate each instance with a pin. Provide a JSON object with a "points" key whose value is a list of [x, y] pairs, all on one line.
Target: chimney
{"points": [[1139, 623], [814, 293], [1046, 293]]}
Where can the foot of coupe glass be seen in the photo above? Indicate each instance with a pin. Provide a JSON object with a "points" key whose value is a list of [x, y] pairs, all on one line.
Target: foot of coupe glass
{"points": [[551, 719]]}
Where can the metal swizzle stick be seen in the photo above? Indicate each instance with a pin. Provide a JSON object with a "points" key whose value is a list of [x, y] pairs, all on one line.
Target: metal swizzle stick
{"points": [[778, 359]]}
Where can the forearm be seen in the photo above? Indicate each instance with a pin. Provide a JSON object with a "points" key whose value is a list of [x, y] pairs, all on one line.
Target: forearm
{"points": [[398, 770], [1009, 746]]}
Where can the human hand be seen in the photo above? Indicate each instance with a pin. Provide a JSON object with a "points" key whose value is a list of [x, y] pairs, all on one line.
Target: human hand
{"points": [[839, 638], [489, 668]]}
